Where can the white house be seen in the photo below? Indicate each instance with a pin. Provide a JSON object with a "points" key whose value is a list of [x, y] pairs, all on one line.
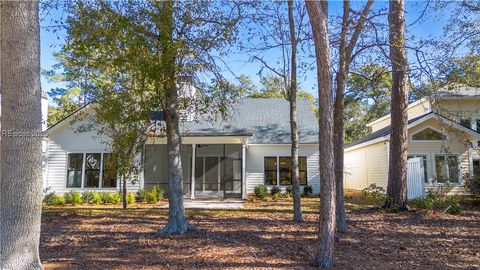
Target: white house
{"points": [[443, 130], [226, 158]]}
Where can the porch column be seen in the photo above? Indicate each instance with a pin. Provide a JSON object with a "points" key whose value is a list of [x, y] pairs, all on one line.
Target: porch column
{"points": [[192, 171], [244, 174]]}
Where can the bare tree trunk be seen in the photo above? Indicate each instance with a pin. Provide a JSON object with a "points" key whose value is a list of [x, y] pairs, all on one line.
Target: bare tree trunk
{"points": [[318, 13], [397, 169], [177, 220], [21, 169], [345, 49], [338, 124], [292, 98], [124, 192]]}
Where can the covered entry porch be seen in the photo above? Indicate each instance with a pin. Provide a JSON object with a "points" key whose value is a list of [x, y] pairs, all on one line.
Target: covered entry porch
{"points": [[213, 167]]}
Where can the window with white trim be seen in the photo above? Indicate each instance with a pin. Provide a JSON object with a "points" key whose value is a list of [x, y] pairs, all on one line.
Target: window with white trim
{"points": [[91, 170], [447, 168], [284, 168], [428, 134]]}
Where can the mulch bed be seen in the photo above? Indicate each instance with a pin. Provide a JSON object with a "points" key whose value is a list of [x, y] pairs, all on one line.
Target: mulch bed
{"points": [[261, 236]]}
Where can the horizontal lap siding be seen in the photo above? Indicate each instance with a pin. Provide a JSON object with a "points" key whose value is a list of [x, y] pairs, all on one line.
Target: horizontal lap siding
{"points": [[255, 160], [365, 166], [63, 141]]}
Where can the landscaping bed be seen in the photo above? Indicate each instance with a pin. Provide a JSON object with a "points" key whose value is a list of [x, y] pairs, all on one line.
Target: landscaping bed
{"points": [[260, 236]]}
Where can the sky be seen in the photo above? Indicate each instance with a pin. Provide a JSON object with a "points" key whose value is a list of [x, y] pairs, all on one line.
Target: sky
{"points": [[239, 63]]}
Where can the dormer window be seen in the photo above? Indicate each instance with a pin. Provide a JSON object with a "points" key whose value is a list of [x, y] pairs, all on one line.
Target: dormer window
{"points": [[428, 134]]}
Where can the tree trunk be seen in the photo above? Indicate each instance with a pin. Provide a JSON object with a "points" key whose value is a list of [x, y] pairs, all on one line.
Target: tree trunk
{"points": [[318, 13], [177, 220], [21, 165], [397, 169], [338, 120], [292, 98], [124, 192]]}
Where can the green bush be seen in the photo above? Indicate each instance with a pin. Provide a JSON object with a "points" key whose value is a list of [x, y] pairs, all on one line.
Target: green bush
{"points": [[73, 197], [375, 194], [53, 199], [265, 198], [159, 191], [440, 203], [140, 195], [289, 191], [96, 198], [275, 190], [260, 191], [275, 196], [109, 197], [307, 190], [87, 196], [472, 184], [130, 197], [151, 197]]}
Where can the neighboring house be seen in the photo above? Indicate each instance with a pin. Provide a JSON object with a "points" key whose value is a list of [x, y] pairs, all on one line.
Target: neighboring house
{"points": [[443, 130], [225, 158]]}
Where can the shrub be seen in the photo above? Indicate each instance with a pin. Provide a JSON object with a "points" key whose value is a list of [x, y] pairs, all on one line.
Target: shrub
{"points": [[375, 194], [87, 196], [275, 196], [115, 198], [307, 190], [260, 191], [472, 184], [73, 197], [151, 196], [265, 198], [140, 195], [425, 203], [159, 191], [289, 191], [53, 199], [130, 197], [105, 197], [96, 198], [275, 190]]}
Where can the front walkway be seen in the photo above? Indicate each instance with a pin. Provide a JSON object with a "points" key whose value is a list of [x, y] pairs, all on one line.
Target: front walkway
{"points": [[211, 203]]}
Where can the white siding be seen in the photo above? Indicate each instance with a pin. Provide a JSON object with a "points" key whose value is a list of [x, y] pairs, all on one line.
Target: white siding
{"points": [[366, 165], [255, 159], [68, 140]]}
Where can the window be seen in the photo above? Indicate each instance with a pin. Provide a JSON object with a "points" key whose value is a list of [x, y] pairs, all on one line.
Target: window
{"points": [[446, 167], [87, 167], [92, 170], [74, 170], [270, 167], [109, 171], [425, 170], [465, 122], [285, 170], [476, 168], [428, 134]]}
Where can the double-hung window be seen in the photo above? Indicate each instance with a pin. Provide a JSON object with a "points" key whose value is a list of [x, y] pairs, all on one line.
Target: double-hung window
{"points": [[74, 170], [447, 168], [91, 170]]}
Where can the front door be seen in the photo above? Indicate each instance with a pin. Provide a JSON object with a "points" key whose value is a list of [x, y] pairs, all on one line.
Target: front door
{"points": [[231, 177]]}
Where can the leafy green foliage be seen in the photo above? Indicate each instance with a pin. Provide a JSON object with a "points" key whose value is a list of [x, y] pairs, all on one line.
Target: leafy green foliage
{"points": [[275, 196], [307, 190], [111, 197], [87, 196], [140, 195], [73, 197], [366, 99], [96, 198], [53, 199], [289, 191], [375, 194], [130, 197], [275, 190], [440, 203], [151, 197], [260, 191]]}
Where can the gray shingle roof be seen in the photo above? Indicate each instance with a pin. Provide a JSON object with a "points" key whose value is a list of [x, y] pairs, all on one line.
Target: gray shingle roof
{"points": [[382, 132], [266, 119]]}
